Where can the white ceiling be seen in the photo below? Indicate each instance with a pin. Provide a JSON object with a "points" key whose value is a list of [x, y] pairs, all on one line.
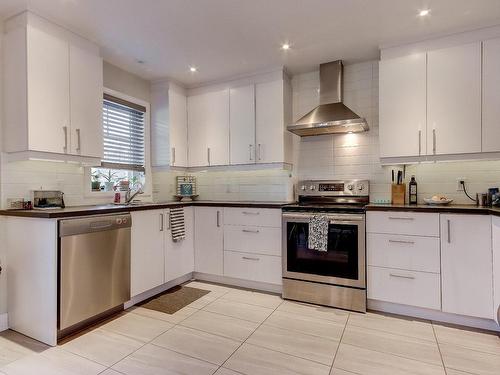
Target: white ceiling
{"points": [[227, 38]]}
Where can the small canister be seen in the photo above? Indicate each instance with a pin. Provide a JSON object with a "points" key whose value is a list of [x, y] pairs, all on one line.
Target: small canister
{"points": [[118, 197], [482, 199]]}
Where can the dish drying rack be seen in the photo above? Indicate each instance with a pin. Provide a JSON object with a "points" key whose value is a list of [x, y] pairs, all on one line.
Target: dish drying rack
{"points": [[186, 188]]}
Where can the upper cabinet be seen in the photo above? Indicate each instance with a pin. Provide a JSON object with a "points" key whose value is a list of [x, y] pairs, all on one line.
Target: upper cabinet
{"points": [[491, 93], [439, 103], [53, 90], [402, 102], [242, 124], [168, 125], [454, 100]]}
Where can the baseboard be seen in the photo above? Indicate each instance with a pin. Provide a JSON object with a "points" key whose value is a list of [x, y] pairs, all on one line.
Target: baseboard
{"points": [[248, 284], [159, 289], [4, 322], [434, 315]]}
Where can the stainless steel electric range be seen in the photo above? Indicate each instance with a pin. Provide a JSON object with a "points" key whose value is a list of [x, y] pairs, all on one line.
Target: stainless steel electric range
{"points": [[336, 277]]}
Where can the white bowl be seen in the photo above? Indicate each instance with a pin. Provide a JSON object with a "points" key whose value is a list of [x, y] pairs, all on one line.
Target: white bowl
{"points": [[440, 202]]}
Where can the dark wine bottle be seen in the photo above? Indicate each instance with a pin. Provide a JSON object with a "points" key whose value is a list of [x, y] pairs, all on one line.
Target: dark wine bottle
{"points": [[412, 189]]}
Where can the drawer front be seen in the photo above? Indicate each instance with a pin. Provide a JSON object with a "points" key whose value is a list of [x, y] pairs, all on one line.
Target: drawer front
{"points": [[260, 217], [411, 288], [256, 240], [247, 266], [404, 252], [409, 223]]}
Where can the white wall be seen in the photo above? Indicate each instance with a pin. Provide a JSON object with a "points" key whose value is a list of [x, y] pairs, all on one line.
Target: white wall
{"points": [[3, 278]]}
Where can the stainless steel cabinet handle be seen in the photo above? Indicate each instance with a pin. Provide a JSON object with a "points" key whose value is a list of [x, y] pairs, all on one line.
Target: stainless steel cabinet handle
{"points": [[250, 213], [250, 231], [169, 225], [400, 218], [419, 142], [218, 219], [250, 258], [250, 152], [401, 241], [259, 151], [65, 130], [173, 155], [208, 155], [78, 140], [161, 222], [434, 141], [449, 234], [402, 276]]}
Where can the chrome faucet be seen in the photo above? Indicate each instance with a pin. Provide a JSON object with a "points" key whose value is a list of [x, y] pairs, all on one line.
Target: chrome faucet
{"points": [[129, 197]]}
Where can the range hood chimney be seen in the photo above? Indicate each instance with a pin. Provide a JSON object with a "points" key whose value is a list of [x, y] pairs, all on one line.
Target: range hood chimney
{"points": [[331, 116]]}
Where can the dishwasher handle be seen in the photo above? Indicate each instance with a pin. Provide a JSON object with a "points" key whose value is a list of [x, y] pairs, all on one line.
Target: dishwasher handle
{"points": [[91, 224]]}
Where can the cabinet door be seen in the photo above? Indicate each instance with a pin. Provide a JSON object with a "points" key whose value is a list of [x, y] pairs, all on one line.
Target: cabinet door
{"points": [[86, 92], [208, 240], [178, 128], [147, 251], [454, 100], [269, 122], [402, 106], [197, 131], [179, 256], [242, 125], [495, 227], [491, 93], [217, 127], [466, 265], [48, 92]]}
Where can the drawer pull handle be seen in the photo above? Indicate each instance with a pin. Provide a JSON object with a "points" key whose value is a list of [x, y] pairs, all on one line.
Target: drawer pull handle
{"points": [[402, 276], [249, 231], [401, 241], [401, 218], [250, 258], [250, 213]]}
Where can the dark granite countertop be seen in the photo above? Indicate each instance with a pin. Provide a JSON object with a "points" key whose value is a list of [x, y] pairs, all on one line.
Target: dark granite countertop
{"points": [[451, 208], [111, 208]]}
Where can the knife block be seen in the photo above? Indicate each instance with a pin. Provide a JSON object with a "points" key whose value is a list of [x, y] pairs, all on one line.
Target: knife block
{"points": [[398, 194]]}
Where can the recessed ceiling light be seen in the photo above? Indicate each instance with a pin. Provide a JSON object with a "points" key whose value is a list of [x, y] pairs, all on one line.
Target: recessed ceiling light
{"points": [[424, 12], [285, 46], [193, 69]]}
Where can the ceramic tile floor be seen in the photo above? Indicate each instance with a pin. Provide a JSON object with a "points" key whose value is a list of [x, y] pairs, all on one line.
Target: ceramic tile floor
{"points": [[232, 332]]}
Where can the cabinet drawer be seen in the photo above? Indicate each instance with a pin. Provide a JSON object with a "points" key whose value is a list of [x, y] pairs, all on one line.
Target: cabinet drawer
{"points": [[260, 217], [405, 252], [256, 240], [419, 289], [410, 223], [247, 266]]}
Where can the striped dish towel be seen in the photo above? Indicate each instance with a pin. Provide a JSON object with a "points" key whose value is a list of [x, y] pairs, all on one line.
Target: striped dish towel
{"points": [[177, 226]]}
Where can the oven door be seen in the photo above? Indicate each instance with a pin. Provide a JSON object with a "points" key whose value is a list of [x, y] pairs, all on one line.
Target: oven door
{"points": [[344, 261]]}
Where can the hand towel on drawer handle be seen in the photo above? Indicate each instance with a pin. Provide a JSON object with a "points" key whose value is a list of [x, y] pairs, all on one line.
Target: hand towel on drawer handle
{"points": [[318, 233], [177, 226]]}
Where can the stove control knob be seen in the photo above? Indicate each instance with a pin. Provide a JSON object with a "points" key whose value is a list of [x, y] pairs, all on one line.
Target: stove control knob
{"points": [[350, 187], [312, 187], [361, 187], [303, 187]]}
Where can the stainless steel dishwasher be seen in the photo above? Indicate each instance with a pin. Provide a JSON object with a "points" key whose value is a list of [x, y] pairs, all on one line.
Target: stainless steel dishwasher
{"points": [[94, 268]]}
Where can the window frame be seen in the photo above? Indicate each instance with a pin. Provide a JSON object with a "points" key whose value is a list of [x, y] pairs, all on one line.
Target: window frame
{"points": [[148, 188]]}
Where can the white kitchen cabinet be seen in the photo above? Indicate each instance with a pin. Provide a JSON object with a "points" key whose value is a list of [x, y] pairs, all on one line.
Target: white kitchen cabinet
{"points": [[242, 124], [208, 128], [147, 250], [466, 265], [402, 106], [491, 93], [495, 235], [270, 122], [208, 240], [168, 125], [54, 83], [454, 100], [179, 256], [86, 92]]}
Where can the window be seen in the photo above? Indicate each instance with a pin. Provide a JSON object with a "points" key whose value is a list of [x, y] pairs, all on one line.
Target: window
{"points": [[124, 159]]}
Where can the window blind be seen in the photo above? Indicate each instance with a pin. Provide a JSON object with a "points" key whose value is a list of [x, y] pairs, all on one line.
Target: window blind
{"points": [[123, 125]]}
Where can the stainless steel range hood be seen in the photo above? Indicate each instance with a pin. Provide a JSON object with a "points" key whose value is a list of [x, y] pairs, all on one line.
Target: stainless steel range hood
{"points": [[331, 116]]}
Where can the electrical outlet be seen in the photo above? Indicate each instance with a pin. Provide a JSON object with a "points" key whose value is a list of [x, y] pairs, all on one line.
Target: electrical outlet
{"points": [[460, 182]]}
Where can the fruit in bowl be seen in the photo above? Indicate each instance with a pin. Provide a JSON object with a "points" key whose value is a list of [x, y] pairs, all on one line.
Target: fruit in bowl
{"points": [[439, 198]]}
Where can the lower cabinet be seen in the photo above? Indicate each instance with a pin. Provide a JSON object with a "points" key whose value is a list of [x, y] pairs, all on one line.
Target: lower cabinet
{"points": [[495, 235], [254, 267], [466, 265], [208, 240], [155, 258]]}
